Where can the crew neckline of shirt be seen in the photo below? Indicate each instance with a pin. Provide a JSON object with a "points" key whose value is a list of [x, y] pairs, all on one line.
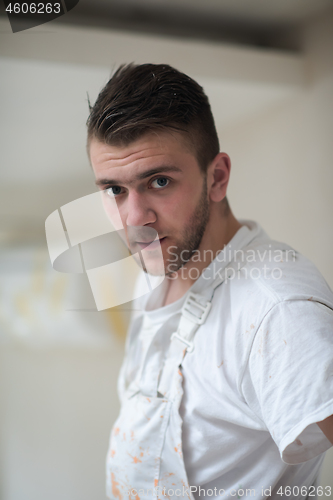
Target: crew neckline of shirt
{"points": [[156, 313]]}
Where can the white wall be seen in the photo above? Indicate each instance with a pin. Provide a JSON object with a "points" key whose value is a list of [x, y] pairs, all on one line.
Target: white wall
{"points": [[282, 159], [58, 406], [58, 370]]}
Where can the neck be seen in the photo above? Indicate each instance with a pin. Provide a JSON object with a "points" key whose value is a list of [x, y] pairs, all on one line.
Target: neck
{"points": [[219, 231]]}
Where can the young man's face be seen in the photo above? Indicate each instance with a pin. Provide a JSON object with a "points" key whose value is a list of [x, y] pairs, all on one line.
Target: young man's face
{"points": [[157, 183]]}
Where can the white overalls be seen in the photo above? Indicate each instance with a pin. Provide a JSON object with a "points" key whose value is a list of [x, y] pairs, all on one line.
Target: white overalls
{"points": [[145, 459]]}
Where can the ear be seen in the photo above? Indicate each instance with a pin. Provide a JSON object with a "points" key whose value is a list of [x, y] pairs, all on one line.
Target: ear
{"points": [[218, 174]]}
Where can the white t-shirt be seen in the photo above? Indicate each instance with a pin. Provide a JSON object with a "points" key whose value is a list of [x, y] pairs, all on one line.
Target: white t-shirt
{"points": [[260, 375]]}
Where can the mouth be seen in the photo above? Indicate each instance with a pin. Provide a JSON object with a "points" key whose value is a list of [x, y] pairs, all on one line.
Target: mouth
{"points": [[151, 244]]}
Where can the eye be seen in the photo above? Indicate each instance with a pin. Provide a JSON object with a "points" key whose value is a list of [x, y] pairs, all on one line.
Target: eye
{"points": [[113, 191], [160, 182]]}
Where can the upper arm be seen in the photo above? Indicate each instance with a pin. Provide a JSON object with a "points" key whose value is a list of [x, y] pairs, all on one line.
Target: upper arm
{"points": [[326, 426], [291, 372]]}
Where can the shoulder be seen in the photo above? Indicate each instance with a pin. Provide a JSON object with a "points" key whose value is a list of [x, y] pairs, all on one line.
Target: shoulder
{"points": [[270, 280], [272, 272]]}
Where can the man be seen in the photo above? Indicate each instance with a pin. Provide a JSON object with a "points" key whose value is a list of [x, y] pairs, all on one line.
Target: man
{"points": [[227, 383]]}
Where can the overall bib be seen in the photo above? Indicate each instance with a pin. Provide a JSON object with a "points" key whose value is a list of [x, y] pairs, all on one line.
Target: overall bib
{"points": [[145, 459]]}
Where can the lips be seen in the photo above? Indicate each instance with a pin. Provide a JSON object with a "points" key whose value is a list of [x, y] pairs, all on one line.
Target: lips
{"points": [[153, 244]]}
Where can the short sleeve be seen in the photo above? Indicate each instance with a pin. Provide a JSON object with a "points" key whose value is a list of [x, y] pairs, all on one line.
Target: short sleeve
{"points": [[289, 378]]}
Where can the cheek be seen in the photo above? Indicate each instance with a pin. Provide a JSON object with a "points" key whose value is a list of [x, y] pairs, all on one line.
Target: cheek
{"points": [[175, 217], [112, 212], [175, 212], [179, 205]]}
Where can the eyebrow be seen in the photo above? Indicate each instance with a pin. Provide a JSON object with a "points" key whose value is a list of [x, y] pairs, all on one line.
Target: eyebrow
{"points": [[141, 176]]}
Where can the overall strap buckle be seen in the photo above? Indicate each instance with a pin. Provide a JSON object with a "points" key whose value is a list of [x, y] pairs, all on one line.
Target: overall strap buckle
{"points": [[194, 314], [194, 310], [189, 345]]}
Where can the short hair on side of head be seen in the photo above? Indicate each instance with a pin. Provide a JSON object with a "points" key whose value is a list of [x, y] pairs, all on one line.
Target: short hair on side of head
{"points": [[139, 99]]}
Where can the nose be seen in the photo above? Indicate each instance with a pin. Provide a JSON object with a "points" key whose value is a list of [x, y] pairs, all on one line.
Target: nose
{"points": [[138, 213]]}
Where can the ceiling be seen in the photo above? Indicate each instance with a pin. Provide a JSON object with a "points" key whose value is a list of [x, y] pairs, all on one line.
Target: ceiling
{"points": [[256, 11], [254, 22], [265, 23]]}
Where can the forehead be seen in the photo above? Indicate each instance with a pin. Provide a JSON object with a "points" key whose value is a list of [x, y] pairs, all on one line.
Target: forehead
{"points": [[152, 150]]}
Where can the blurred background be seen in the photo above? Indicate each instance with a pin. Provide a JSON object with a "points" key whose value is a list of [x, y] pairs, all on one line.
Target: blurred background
{"points": [[267, 67]]}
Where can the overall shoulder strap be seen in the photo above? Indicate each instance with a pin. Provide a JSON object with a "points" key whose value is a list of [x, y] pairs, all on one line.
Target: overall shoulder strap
{"points": [[194, 313]]}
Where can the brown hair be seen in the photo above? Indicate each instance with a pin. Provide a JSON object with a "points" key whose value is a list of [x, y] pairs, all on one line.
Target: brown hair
{"points": [[148, 97]]}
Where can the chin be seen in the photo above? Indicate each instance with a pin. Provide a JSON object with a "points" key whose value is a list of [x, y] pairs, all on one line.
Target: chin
{"points": [[153, 261], [156, 268]]}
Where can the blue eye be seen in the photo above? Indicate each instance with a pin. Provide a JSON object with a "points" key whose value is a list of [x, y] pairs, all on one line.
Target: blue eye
{"points": [[113, 191], [160, 182]]}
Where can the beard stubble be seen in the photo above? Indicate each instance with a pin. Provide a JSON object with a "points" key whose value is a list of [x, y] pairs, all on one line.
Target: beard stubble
{"points": [[193, 234]]}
